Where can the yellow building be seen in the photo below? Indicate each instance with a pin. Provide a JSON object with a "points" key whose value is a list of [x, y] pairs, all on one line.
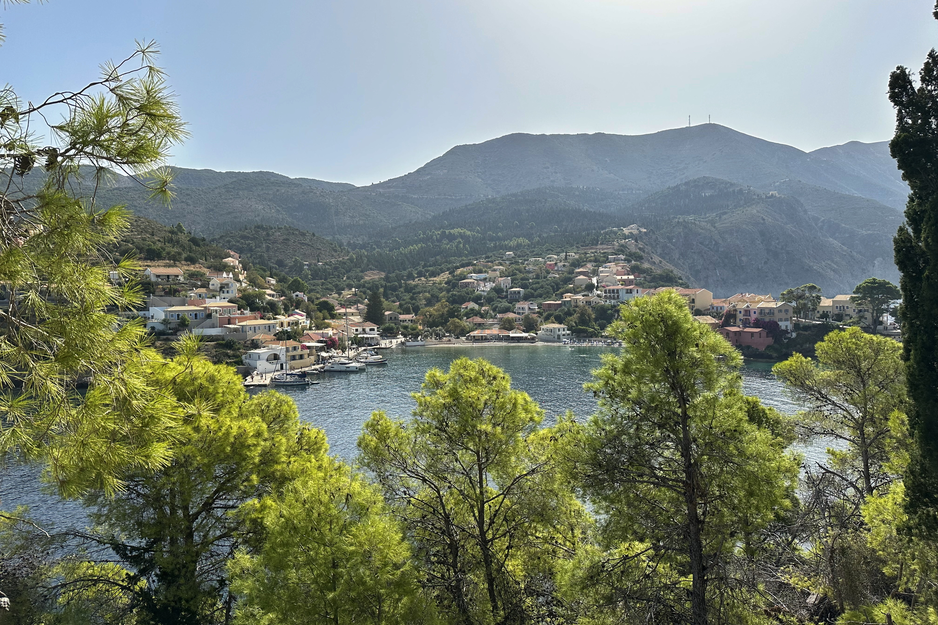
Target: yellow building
{"points": [[841, 308]]}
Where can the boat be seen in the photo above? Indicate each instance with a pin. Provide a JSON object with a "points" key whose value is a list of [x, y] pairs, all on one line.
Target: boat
{"points": [[343, 365], [371, 358], [414, 343], [292, 378]]}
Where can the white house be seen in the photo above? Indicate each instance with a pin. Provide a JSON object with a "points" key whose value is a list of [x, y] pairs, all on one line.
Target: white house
{"points": [[619, 294], [553, 333], [367, 330], [267, 359], [163, 274], [227, 287]]}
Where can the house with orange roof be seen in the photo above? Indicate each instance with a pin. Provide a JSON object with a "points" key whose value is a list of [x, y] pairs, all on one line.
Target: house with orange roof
{"points": [[708, 321], [164, 274], [779, 312], [754, 337]]}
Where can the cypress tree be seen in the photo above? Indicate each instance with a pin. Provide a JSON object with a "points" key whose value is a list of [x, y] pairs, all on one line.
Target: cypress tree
{"points": [[375, 310], [915, 148]]}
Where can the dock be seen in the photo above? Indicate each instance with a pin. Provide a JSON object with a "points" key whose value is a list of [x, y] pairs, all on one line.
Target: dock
{"points": [[257, 379]]}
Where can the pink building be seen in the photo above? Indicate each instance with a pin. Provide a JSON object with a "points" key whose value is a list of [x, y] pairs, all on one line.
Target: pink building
{"points": [[754, 337]]}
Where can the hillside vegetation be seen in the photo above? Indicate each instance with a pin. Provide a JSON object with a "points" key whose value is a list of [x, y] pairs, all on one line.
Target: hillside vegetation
{"points": [[280, 245], [146, 239]]}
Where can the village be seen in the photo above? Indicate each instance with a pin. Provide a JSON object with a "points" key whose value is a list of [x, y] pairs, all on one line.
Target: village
{"points": [[307, 338]]}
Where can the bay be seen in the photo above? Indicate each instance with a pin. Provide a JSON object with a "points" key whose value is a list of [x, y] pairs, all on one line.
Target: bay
{"points": [[553, 375]]}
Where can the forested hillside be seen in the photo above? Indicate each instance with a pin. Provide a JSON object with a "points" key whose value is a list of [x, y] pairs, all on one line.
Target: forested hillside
{"points": [[280, 245], [639, 164], [731, 238], [250, 199], [520, 223], [146, 239]]}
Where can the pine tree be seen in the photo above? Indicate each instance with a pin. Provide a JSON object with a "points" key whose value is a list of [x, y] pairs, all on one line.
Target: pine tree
{"points": [[481, 492], [59, 316], [677, 462], [915, 148]]}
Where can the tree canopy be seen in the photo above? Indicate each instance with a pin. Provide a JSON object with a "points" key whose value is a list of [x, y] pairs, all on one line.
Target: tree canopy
{"points": [[915, 148], [174, 529], [374, 312], [804, 299], [679, 463], [876, 294], [61, 294], [480, 491], [851, 393], [329, 552], [854, 396]]}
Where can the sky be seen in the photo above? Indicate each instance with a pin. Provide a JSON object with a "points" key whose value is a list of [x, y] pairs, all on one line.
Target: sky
{"points": [[362, 91]]}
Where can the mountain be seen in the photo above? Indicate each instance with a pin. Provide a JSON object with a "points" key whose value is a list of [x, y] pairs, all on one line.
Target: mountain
{"points": [[611, 171], [868, 161], [638, 165], [729, 238], [691, 186], [209, 203], [859, 224], [210, 179]]}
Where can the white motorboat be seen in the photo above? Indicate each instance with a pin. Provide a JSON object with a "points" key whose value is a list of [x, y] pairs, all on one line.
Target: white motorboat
{"points": [[298, 378], [343, 365], [371, 358]]}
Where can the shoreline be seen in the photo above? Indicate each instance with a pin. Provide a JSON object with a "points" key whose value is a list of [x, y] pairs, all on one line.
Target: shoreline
{"points": [[509, 344]]}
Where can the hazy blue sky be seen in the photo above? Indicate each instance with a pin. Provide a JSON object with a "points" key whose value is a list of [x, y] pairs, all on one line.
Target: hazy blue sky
{"points": [[365, 90]]}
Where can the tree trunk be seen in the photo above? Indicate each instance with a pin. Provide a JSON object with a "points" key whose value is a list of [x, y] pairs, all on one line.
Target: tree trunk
{"points": [[865, 457], [694, 527], [457, 587], [484, 544]]}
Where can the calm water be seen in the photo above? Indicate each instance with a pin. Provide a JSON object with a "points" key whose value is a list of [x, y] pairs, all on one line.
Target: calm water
{"points": [[552, 374]]}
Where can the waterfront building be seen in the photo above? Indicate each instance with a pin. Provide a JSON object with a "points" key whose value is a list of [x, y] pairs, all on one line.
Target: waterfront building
{"points": [[553, 333], [267, 359]]}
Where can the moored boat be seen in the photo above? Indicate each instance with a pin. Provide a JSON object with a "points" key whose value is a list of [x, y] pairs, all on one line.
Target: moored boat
{"points": [[343, 365], [292, 378], [371, 358]]}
